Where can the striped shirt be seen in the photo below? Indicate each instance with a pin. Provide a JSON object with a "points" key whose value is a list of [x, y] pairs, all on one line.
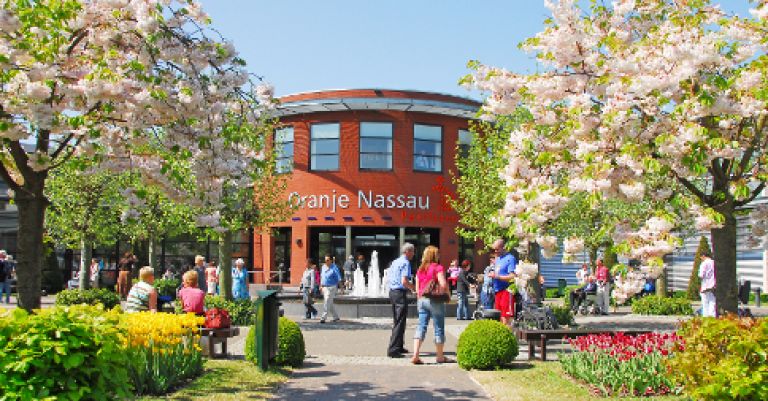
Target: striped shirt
{"points": [[138, 297]]}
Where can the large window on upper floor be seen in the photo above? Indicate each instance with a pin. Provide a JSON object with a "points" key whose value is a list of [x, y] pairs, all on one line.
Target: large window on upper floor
{"points": [[427, 148], [375, 146], [284, 149], [465, 141], [324, 154]]}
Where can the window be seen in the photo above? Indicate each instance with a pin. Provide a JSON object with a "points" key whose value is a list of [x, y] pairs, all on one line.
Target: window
{"points": [[427, 148], [376, 146], [284, 149], [465, 141], [324, 154]]}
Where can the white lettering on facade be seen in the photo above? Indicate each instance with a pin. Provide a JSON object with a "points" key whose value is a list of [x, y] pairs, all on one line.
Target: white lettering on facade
{"points": [[365, 199]]}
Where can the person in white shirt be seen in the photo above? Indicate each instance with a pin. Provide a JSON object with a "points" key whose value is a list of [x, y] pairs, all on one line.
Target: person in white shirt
{"points": [[707, 276], [582, 274]]}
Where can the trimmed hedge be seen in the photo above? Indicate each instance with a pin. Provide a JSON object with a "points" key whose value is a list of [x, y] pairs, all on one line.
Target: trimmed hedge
{"points": [[655, 305], [486, 344], [92, 296], [291, 349], [290, 343]]}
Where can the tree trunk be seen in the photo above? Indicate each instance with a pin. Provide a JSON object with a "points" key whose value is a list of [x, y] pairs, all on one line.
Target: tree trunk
{"points": [[153, 255], [86, 253], [31, 206], [724, 250], [661, 284], [593, 259], [225, 263]]}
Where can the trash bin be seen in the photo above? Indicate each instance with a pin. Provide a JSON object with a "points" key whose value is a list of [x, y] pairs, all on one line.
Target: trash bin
{"points": [[267, 315]]}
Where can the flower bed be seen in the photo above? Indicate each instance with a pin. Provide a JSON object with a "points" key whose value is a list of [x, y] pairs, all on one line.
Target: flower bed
{"points": [[163, 350], [621, 364]]}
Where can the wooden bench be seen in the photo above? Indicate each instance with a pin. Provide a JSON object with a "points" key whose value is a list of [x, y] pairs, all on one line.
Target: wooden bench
{"points": [[542, 336], [218, 336]]}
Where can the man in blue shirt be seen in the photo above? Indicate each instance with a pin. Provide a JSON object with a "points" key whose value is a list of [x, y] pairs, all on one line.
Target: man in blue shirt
{"points": [[504, 272], [399, 284], [329, 281]]}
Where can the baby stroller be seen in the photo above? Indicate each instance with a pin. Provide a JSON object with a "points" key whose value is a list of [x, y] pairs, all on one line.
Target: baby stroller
{"points": [[484, 302]]}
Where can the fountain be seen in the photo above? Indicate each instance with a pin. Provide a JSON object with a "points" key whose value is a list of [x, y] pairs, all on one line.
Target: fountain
{"points": [[374, 280], [358, 288], [385, 282]]}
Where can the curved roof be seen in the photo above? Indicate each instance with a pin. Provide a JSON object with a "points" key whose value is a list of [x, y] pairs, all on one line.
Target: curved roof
{"points": [[377, 99]]}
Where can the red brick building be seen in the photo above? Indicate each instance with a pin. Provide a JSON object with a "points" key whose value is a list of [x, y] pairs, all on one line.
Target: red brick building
{"points": [[371, 169]]}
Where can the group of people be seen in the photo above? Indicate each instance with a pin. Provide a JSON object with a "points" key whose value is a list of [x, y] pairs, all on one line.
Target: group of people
{"points": [[597, 283], [431, 306], [143, 296], [328, 279]]}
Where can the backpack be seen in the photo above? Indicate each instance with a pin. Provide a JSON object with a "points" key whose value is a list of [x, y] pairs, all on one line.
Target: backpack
{"points": [[3, 273], [217, 318]]}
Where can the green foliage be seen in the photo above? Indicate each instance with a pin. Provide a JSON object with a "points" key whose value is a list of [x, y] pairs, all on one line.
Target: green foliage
{"points": [[694, 282], [479, 186], [62, 353], [85, 203], [655, 305], [250, 345], [563, 314], [167, 287], [723, 359], [486, 344], [101, 296], [290, 343], [242, 311]]}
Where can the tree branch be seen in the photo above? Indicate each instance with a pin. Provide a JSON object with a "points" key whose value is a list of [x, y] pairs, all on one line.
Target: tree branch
{"points": [[697, 192]]}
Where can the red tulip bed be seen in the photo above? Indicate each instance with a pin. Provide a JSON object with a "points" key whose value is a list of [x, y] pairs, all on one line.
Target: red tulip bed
{"points": [[623, 365]]}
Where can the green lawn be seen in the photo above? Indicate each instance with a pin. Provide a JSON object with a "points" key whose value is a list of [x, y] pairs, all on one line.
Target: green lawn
{"points": [[228, 380], [540, 381]]}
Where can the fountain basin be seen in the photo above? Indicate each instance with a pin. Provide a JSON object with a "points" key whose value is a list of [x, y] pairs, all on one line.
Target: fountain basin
{"points": [[354, 307]]}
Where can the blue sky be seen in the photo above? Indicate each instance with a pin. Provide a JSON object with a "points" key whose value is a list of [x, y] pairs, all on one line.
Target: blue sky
{"points": [[307, 45]]}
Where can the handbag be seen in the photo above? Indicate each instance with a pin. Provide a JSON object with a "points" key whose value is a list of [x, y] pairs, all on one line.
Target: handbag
{"points": [[433, 291], [217, 318]]}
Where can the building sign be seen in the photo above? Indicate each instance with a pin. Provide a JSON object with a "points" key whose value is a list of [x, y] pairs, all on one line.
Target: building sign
{"points": [[365, 199]]}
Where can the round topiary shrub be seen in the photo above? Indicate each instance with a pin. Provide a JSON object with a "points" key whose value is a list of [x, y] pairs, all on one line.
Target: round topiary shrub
{"points": [[290, 342], [486, 344]]}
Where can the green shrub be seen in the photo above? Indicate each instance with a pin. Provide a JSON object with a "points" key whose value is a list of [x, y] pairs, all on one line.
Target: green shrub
{"points": [[723, 359], [167, 287], [655, 305], [242, 311], [563, 314], [290, 343], [62, 353], [486, 344], [250, 345], [92, 296]]}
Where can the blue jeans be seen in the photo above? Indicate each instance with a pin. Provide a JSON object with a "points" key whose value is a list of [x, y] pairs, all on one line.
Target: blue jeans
{"points": [[462, 310], [5, 286], [435, 310]]}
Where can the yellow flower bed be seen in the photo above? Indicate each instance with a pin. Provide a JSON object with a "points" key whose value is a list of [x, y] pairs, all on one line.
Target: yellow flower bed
{"points": [[161, 329], [164, 349]]}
